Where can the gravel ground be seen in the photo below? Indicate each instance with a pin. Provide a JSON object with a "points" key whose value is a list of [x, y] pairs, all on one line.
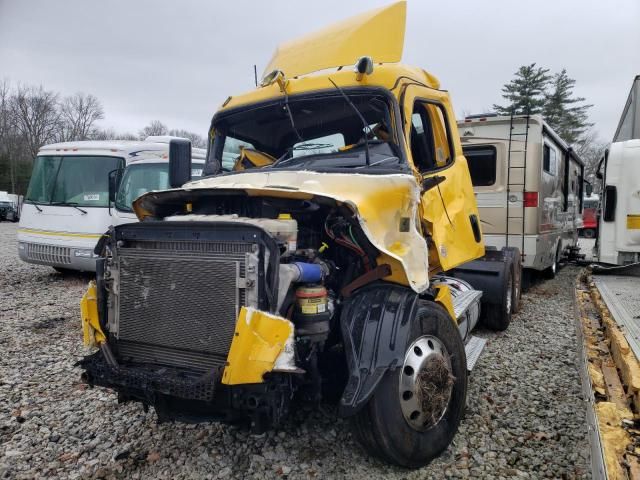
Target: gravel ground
{"points": [[525, 418]]}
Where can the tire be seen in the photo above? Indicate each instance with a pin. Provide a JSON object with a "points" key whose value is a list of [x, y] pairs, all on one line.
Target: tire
{"points": [[497, 316], [588, 233], [517, 272], [382, 426], [63, 271], [551, 272]]}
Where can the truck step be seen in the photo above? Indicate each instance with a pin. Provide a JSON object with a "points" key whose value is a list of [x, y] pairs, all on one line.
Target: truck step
{"points": [[473, 349]]}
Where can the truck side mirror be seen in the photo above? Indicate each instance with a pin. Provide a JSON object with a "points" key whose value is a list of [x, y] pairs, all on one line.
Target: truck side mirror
{"points": [[179, 162], [588, 188], [114, 183], [432, 182]]}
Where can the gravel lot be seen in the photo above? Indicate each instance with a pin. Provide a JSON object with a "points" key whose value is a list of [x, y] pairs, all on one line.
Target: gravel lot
{"points": [[525, 418]]}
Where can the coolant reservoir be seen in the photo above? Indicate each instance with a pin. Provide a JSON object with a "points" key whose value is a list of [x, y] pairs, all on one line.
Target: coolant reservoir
{"points": [[287, 231]]}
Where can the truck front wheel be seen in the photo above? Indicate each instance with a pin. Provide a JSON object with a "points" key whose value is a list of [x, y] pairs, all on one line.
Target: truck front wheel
{"points": [[416, 409]]}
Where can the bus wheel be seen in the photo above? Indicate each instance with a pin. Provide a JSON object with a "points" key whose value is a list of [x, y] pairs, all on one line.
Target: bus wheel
{"points": [[63, 271], [416, 409], [588, 233]]}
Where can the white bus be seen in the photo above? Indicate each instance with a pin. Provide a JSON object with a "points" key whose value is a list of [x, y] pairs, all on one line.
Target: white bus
{"points": [[67, 208]]}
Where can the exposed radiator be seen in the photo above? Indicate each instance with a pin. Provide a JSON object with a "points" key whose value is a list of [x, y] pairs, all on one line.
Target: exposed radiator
{"points": [[178, 301]]}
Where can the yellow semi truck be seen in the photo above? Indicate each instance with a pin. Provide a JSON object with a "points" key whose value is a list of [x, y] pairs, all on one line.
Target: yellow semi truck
{"points": [[312, 266]]}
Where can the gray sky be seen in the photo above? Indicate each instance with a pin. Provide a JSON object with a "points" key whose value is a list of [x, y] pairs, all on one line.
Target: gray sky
{"points": [[177, 61]]}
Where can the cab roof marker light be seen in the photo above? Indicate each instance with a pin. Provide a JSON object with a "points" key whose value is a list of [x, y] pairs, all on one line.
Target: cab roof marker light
{"points": [[364, 66]]}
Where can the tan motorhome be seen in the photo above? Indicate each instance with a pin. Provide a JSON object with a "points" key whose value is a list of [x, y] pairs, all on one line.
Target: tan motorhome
{"points": [[528, 184]]}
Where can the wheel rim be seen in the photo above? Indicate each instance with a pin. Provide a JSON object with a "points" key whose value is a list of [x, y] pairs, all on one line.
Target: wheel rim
{"points": [[509, 294], [426, 383]]}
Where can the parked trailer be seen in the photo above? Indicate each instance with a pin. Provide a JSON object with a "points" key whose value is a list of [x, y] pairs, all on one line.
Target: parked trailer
{"points": [[528, 184], [618, 239], [316, 264], [68, 204]]}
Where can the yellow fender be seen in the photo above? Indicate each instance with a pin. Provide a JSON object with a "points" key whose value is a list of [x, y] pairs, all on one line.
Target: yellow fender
{"points": [[443, 297], [93, 335], [258, 341]]}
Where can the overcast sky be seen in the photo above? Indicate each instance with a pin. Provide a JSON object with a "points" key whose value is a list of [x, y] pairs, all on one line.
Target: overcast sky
{"points": [[177, 61]]}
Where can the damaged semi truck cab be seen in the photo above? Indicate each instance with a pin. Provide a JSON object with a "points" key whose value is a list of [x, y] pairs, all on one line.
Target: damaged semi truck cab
{"points": [[313, 269]]}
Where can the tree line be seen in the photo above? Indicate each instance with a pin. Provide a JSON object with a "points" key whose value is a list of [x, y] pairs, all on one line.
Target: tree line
{"points": [[534, 89], [32, 116]]}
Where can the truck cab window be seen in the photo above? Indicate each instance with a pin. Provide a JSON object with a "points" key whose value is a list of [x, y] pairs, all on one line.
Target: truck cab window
{"points": [[430, 145]]}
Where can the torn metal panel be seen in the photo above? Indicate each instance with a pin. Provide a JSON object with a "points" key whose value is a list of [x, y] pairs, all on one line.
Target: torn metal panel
{"points": [[260, 339], [91, 330]]}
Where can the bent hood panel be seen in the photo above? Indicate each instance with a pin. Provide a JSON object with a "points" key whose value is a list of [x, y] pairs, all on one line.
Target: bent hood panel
{"points": [[378, 33], [385, 205]]}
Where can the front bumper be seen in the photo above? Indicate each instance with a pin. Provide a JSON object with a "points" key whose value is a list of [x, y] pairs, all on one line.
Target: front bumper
{"points": [[73, 258], [147, 382]]}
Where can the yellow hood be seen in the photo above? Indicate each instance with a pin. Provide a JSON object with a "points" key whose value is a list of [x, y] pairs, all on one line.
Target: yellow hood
{"points": [[378, 33], [386, 206]]}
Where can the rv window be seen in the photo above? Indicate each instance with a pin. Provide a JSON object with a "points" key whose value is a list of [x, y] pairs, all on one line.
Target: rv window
{"points": [[482, 164], [430, 143], [549, 160]]}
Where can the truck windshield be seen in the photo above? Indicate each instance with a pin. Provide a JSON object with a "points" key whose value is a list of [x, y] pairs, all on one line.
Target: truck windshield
{"points": [[322, 132], [71, 180], [140, 178]]}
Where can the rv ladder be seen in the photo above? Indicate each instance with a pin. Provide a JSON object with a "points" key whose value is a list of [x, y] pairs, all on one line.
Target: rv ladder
{"points": [[516, 187]]}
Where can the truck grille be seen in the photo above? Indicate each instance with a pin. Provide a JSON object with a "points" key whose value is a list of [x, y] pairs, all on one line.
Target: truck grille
{"points": [[178, 301], [48, 253]]}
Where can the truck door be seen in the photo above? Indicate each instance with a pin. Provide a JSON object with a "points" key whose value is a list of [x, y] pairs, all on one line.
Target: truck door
{"points": [[449, 210]]}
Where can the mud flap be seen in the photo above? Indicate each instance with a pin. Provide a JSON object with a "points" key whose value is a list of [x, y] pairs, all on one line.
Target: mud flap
{"points": [[487, 274], [375, 324]]}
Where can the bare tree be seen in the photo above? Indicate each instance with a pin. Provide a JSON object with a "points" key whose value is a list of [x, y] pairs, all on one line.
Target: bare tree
{"points": [[196, 140], [36, 116], [7, 131], [591, 149], [78, 115], [111, 134], [156, 127]]}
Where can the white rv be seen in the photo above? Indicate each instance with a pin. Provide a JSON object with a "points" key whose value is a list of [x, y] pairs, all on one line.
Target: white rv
{"points": [[528, 186], [619, 223], [67, 207]]}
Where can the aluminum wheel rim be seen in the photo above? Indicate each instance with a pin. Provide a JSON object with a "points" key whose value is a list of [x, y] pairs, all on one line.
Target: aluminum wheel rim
{"points": [[509, 295], [422, 371]]}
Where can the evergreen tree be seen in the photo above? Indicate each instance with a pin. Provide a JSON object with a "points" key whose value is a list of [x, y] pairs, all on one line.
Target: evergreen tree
{"points": [[562, 110], [526, 92]]}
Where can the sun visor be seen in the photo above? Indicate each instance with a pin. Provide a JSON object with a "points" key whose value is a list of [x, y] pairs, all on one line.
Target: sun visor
{"points": [[377, 33]]}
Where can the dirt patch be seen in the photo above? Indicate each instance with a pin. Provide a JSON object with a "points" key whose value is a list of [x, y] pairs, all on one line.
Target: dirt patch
{"points": [[434, 384]]}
